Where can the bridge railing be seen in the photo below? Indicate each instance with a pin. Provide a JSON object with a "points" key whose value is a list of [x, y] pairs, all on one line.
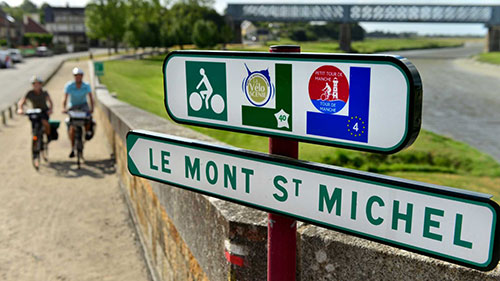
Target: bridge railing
{"points": [[489, 15]]}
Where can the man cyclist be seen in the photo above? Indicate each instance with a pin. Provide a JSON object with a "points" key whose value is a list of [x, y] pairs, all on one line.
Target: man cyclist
{"points": [[78, 92], [38, 98]]}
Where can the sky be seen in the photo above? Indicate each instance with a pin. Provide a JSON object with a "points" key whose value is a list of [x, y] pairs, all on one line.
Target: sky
{"points": [[420, 28]]}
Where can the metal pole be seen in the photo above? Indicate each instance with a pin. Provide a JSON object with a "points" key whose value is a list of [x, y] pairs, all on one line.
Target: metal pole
{"points": [[281, 231]]}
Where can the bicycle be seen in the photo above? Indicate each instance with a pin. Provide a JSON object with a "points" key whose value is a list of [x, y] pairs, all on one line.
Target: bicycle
{"points": [[40, 140], [196, 100], [78, 119], [211, 100]]}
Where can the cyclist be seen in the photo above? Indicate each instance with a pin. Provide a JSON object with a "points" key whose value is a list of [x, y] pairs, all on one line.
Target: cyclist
{"points": [[79, 92], [204, 81], [38, 98]]}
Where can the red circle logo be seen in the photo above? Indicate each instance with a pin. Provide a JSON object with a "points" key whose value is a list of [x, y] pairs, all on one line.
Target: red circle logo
{"points": [[328, 89]]}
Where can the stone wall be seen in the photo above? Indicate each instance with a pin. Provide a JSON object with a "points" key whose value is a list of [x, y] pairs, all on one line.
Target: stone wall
{"points": [[188, 236]]}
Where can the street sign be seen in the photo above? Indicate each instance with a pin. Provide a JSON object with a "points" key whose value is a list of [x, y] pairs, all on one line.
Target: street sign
{"points": [[363, 102], [99, 68], [446, 223]]}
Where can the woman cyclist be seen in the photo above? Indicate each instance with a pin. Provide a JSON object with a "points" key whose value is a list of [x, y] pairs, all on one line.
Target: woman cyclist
{"points": [[38, 98], [79, 93]]}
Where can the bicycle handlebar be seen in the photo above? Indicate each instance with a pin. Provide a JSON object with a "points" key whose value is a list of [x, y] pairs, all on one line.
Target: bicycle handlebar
{"points": [[33, 111]]}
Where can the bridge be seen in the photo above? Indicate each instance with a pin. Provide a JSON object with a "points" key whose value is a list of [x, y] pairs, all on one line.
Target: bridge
{"points": [[346, 14]]}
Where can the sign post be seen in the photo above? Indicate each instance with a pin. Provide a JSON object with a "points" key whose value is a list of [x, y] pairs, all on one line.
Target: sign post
{"points": [[281, 231], [362, 102], [451, 224]]}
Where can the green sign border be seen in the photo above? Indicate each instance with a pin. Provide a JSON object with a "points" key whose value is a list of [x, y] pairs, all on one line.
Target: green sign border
{"points": [[385, 181], [409, 71]]}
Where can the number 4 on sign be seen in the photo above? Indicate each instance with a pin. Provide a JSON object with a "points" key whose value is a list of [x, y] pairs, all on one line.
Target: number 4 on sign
{"points": [[355, 127]]}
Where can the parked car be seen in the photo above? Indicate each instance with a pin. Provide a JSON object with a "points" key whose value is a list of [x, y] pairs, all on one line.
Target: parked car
{"points": [[43, 51], [15, 55], [5, 60]]}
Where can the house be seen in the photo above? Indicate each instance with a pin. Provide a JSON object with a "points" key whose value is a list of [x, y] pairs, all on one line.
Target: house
{"points": [[32, 24], [253, 33], [11, 32], [248, 30], [67, 24]]}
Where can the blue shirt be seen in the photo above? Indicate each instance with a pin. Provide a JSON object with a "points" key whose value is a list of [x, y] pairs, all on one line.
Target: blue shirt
{"points": [[77, 96]]}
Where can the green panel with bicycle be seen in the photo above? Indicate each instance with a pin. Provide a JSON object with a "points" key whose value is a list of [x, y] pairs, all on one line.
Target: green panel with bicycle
{"points": [[206, 90]]}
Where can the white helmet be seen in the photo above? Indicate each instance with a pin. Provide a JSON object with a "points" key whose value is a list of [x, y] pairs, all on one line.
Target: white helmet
{"points": [[35, 78], [77, 71]]}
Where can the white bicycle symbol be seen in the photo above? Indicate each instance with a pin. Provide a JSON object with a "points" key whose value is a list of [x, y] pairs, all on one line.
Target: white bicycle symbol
{"points": [[213, 101]]}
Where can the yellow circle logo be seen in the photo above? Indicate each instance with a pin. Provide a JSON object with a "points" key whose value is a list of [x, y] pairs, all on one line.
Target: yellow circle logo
{"points": [[257, 88]]}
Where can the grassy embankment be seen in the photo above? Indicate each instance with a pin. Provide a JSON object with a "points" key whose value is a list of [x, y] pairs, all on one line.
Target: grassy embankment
{"points": [[366, 46], [493, 57], [432, 158]]}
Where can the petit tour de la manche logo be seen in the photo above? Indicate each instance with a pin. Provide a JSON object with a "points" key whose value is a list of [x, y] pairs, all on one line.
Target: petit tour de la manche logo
{"points": [[257, 87]]}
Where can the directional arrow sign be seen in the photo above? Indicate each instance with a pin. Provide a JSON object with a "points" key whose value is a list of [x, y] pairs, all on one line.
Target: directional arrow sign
{"points": [[442, 222], [363, 102]]}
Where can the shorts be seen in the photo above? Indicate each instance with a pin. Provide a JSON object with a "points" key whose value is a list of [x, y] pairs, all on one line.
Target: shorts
{"points": [[44, 115]]}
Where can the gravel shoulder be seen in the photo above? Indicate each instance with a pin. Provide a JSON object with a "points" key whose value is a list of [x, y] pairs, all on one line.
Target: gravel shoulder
{"points": [[61, 223]]}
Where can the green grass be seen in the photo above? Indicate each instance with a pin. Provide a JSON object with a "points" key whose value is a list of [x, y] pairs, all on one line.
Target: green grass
{"points": [[432, 158], [493, 57], [366, 46]]}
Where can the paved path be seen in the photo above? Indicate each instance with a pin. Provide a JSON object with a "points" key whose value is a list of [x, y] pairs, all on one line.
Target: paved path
{"points": [[61, 223], [461, 97], [15, 80]]}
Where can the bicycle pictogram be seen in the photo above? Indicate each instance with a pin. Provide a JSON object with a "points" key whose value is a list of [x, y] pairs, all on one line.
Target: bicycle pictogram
{"points": [[330, 94], [207, 97]]}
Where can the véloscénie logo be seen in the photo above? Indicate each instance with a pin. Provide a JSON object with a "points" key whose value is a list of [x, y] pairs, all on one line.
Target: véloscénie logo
{"points": [[257, 87]]}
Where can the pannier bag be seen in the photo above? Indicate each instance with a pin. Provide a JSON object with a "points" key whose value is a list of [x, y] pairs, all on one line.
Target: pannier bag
{"points": [[54, 125]]}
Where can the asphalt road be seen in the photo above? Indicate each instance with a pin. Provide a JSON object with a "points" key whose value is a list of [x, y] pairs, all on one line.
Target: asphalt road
{"points": [[14, 82], [461, 97]]}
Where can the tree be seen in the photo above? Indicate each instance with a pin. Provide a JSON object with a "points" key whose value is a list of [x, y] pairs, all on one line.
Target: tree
{"points": [[37, 39], [28, 7], [14, 12], [226, 34], [183, 16], [146, 23], [105, 19], [42, 12], [204, 34]]}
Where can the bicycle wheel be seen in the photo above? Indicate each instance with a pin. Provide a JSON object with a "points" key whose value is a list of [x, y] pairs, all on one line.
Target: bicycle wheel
{"points": [[45, 149], [195, 101], [35, 157], [79, 146], [217, 103], [79, 158]]}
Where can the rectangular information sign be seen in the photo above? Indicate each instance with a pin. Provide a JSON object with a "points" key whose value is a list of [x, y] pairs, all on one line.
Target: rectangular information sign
{"points": [[99, 68], [446, 223], [362, 102]]}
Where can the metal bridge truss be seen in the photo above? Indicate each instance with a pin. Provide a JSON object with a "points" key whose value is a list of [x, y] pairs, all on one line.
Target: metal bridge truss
{"points": [[489, 15]]}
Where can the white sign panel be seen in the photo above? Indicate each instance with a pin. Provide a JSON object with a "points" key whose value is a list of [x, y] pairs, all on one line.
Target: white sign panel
{"points": [[365, 102], [446, 223]]}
